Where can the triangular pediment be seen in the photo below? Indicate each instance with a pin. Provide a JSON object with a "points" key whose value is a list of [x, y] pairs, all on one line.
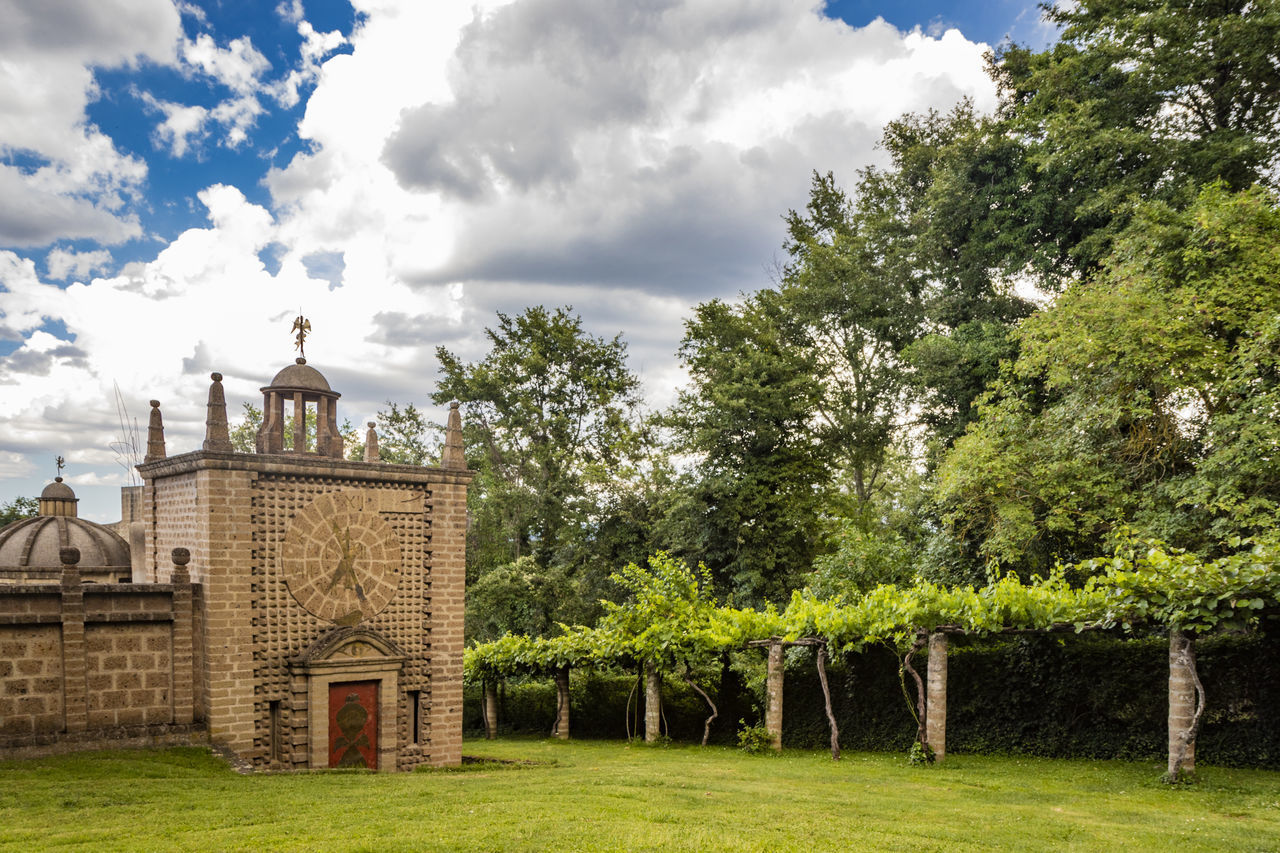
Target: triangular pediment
{"points": [[350, 644]]}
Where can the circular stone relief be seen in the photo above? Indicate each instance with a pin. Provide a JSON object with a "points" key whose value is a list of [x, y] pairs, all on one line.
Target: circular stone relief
{"points": [[341, 563]]}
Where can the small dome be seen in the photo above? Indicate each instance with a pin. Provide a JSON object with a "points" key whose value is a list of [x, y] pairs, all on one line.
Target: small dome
{"points": [[57, 491], [300, 377], [34, 543]]}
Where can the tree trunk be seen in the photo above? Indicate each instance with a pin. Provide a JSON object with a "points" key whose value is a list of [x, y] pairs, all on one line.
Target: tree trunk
{"points": [[561, 727], [1186, 706], [773, 690], [489, 707], [652, 703], [826, 696], [922, 706], [706, 728]]}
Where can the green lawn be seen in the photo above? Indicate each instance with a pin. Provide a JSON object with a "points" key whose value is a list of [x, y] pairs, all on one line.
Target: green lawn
{"points": [[611, 796]]}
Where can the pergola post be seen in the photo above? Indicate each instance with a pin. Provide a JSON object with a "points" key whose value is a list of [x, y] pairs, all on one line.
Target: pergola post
{"points": [[936, 715], [773, 690], [1182, 705], [652, 703], [561, 727]]}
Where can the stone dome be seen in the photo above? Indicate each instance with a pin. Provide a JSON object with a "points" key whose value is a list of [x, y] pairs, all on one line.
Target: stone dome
{"points": [[34, 543], [300, 376], [57, 491]]}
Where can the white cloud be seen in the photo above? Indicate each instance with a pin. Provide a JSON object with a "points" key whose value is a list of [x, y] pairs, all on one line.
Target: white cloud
{"points": [[183, 125], [630, 160], [239, 66], [77, 180], [315, 47], [63, 263], [290, 11]]}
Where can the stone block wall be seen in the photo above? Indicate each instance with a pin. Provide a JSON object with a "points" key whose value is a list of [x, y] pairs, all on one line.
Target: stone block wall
{"points": [[30, 680], [94, 665]]}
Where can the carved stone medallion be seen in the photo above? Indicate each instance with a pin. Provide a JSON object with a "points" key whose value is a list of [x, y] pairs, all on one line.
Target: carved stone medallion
{"points": [[341, 562]]}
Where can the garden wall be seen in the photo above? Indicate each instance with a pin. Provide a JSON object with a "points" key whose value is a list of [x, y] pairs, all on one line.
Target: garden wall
{"points": [[97, 665]]}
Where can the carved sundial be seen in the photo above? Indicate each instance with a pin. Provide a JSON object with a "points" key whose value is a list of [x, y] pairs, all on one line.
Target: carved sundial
{"points": [[342, 563]]}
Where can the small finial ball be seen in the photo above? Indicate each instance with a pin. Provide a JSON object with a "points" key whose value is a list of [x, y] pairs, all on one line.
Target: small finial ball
{"points": [[57, 479], [155, 404], [454, 404], [215, 376], [372, 424], [181, 556], [300, 361], [69, 556]]}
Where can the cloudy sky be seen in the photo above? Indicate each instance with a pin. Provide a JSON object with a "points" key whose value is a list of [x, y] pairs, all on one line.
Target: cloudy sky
{"points": [[177, 179]]}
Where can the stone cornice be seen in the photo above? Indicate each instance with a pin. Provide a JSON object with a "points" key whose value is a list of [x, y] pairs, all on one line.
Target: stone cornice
{"points": [[300, 465]]}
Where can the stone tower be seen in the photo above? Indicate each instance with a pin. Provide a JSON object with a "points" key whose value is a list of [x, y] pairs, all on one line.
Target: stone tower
{"points": [[332, 589]]}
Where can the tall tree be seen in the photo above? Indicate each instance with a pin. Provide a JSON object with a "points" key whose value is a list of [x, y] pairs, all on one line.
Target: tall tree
{"points": [[548, 415], [850, 303], [1146, 396], [1137, 101], [749, 507]]}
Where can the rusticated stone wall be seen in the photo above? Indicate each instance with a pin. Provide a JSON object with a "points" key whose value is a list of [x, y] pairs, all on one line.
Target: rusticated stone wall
{"points": [[84, 665]]}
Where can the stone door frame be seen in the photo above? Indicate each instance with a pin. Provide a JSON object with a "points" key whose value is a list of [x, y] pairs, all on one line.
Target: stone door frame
{"points": [[351, 654]]}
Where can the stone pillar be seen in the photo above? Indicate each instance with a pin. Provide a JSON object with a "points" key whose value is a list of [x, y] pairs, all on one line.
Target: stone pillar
{"points": [[453, 455], [936, 704], [561, 727], [75, 700], [773, 691], [300, 423], [334, 442], [182, 660], [216, 436], [271, 434], [490, 710], [652, 703], [155, 434], [1182, 703], [371, 453]]}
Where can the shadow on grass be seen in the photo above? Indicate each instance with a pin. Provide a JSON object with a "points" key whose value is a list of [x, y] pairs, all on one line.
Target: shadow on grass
{"points": [[473, 763]]}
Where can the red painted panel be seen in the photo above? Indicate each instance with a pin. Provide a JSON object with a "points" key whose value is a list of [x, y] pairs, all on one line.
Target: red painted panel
{"points": [[353, 724]]}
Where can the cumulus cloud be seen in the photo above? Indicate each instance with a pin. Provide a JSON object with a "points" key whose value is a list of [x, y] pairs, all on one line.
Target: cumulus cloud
{"points": [[315, 47], [77, 181], [629, 159], [63, 263], [654, 145]]}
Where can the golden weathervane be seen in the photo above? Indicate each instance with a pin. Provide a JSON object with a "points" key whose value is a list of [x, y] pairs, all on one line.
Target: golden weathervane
{"points": [[302, 326]]}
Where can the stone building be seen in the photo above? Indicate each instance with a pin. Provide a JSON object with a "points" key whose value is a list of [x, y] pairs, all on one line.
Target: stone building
{"points": [[301, 609]]}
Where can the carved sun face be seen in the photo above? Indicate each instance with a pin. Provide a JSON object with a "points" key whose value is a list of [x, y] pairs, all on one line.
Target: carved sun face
{"points": [[341, 562]]}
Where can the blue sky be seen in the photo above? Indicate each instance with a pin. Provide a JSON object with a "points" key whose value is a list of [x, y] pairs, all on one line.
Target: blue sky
{"points": [[176, 179]]}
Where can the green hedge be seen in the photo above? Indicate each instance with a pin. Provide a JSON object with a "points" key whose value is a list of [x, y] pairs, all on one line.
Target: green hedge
{"points": [[597, 708], [1063, 696]]}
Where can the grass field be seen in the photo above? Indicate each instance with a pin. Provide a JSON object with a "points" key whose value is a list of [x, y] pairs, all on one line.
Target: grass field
{"points": [[611, 796]]}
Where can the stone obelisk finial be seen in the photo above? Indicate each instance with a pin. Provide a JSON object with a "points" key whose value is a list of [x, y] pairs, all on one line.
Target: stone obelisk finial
{"points": [[371, 444], [215, 422], [453, 457], [155, 434]]}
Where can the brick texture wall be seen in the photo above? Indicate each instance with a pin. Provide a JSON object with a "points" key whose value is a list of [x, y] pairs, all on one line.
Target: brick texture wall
{"points": [[86, 665]]}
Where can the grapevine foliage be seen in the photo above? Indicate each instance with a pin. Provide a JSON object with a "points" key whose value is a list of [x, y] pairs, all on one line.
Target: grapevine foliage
{"points": [[672, 621]]}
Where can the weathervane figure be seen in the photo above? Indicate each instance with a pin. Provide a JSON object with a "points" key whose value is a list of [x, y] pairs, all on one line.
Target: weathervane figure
{"points": [[301, 325], [62, 463]]}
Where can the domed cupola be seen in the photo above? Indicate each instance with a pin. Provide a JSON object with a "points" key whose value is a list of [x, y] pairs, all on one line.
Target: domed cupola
{"points": [[29, 547], [311, 402]]}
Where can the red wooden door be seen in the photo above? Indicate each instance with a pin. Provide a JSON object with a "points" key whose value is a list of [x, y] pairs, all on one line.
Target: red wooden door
{"points": [[353, 724]]}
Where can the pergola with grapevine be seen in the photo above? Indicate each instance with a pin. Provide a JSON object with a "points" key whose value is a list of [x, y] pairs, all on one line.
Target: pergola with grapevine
{"points": [[671, 625]]}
